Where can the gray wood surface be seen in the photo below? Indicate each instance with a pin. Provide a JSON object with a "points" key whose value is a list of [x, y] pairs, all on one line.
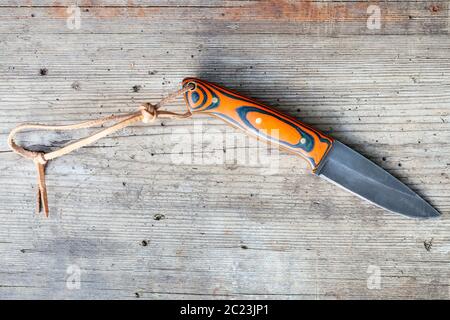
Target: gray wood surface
{"points": [[139, 224]]}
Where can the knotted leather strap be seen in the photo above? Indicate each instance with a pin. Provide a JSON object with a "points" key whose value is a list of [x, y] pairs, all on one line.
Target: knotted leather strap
{"points": [[147, 113]]}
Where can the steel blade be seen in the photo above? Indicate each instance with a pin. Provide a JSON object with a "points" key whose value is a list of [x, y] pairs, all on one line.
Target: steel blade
{"points": [[355, 173]]}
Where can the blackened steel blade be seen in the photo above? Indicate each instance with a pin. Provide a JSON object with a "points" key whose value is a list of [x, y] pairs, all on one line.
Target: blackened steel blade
{"points": [[353, 172]]}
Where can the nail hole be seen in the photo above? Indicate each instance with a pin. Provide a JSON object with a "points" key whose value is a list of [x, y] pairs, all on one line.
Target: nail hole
{"points": [[159, 216]]}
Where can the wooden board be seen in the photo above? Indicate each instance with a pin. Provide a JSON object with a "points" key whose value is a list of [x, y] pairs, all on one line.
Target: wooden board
{"points": [[140, 224]]}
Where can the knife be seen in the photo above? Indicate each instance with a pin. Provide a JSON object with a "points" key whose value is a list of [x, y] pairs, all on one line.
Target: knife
{"points": [[328, 158]]}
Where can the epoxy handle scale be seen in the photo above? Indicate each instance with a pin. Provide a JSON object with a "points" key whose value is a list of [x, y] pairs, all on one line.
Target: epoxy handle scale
{"points": [[258, 120]]}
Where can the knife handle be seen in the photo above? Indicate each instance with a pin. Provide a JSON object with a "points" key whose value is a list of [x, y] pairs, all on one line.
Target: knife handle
{"points": [[258, 120]]}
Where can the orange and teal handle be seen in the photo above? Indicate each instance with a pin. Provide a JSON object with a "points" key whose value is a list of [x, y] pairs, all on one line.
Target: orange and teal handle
{"points": [[258, 120]]}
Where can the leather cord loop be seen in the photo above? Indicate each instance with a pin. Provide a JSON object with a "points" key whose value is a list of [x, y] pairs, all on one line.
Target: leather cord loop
{"points": [[147, 113]]}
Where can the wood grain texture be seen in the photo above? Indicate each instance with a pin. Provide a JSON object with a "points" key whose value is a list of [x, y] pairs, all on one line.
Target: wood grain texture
{"points": [[142, 224]]}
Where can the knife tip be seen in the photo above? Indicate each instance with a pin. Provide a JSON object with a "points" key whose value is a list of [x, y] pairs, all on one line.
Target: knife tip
{"points": [[434, 214], [428, 212]]}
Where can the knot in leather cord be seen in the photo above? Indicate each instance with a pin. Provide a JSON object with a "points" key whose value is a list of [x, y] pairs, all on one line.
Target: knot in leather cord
{"points": [[149, 112], [40, 158]]}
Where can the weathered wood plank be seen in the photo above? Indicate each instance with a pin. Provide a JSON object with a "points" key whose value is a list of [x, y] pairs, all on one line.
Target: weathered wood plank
{"points": [[262, 17], [226, 229]]}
